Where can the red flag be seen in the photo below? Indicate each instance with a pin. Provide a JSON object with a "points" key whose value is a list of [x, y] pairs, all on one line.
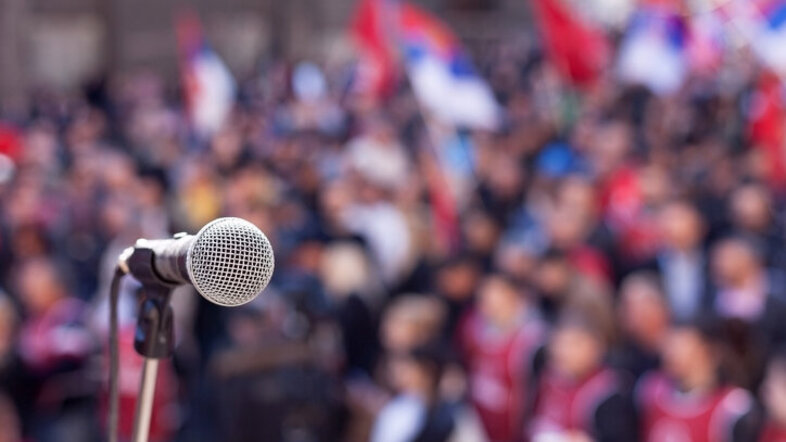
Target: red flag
{"points": [[579, 51], [10, 142], [765, 125], [376, 64]]}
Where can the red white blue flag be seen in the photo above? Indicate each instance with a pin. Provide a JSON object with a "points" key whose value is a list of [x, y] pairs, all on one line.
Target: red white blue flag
{"points": [[442, 75], [209, 86]]}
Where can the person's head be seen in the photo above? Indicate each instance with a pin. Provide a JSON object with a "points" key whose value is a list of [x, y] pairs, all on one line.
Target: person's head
{"points": [[643, 312], [516, 260], [8, 324], [417, 371], [39, 284], [500, 301], [691, 354], [345, 269], [751, 207], [681, 225], [575, 348], [735, 261], [410, 321], [568, 227], [505, 176], [610, 146], [578, 193], [582, 335], [773, 389], [553, 275], [457, 278], [481, 232], [9, 421]]}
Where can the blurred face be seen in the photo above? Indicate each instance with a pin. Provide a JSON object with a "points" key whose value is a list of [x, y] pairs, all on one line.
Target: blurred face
{"points": [[482, 232], [335, 198], [553, 277], [567, 227], [610, 147], [685, 353], [680, 226], [643, 313], [506, 175], [732, 263], [407, 375], [458, 282], [9, 422], [499, 303], [6, 328], [655, 184], [227, 146], [400, 333], [516, 261], [574, 352], [39, 286], [773, 391], [579, 195], [750, 206]]}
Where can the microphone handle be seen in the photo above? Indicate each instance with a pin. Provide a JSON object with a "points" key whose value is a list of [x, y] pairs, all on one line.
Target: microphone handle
{"points": [[169, 258]]}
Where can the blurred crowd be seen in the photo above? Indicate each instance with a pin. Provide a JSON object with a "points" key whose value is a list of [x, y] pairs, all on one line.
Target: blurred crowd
{"points": [[616, 271]]}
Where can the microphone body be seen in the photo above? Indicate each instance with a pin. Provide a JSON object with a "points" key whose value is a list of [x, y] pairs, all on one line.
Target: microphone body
{"points": [[170, 257], [229, 262]]}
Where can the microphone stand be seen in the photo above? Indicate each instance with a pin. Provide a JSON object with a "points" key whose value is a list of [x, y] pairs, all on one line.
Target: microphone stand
{"points": [[154, 336], [154, 339]]}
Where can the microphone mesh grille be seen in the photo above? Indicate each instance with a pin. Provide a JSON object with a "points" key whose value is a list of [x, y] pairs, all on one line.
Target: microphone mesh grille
{"points": [[230, 261]]}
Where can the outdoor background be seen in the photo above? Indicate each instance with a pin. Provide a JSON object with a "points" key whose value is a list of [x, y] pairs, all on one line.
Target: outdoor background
{"points": [[493, 220]]}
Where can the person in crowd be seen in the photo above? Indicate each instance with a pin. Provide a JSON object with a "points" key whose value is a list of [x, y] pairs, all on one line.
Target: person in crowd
{"points": [[8, 330], [9, 422], [747, 300], [773, 394], [681, 260], [745, 290], [13, 396], [690, 399], [416, 412], [499, 339], [754, 215], [411, 320], [456, 281], [54, 349], [347, 274], [553, 279], [644, 317], [579, 397]]}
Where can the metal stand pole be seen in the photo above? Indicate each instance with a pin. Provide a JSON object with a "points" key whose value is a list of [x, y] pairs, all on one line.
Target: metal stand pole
{"points": [[153, 340], [144, 405]]}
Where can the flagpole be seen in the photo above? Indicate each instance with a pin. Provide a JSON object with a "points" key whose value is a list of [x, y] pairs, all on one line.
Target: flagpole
{"points": [[452, 238]]}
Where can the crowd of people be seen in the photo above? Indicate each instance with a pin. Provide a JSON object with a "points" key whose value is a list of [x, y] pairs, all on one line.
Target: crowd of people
{"points": [[615, 274]]}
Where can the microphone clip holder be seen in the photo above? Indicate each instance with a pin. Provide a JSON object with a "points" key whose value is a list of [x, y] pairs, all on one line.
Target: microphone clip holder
{"points": [[154, 335]]}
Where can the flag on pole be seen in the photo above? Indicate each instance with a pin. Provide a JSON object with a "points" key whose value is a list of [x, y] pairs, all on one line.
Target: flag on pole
{"points": [[707, 44], [576, 48], [442, 76], [10, 150], [769, 34], [209, 86], [766, 119], [376, 68], [653, 52]]}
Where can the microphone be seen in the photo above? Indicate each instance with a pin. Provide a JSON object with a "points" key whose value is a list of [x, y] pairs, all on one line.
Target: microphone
{"points": [[229, 261]]}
